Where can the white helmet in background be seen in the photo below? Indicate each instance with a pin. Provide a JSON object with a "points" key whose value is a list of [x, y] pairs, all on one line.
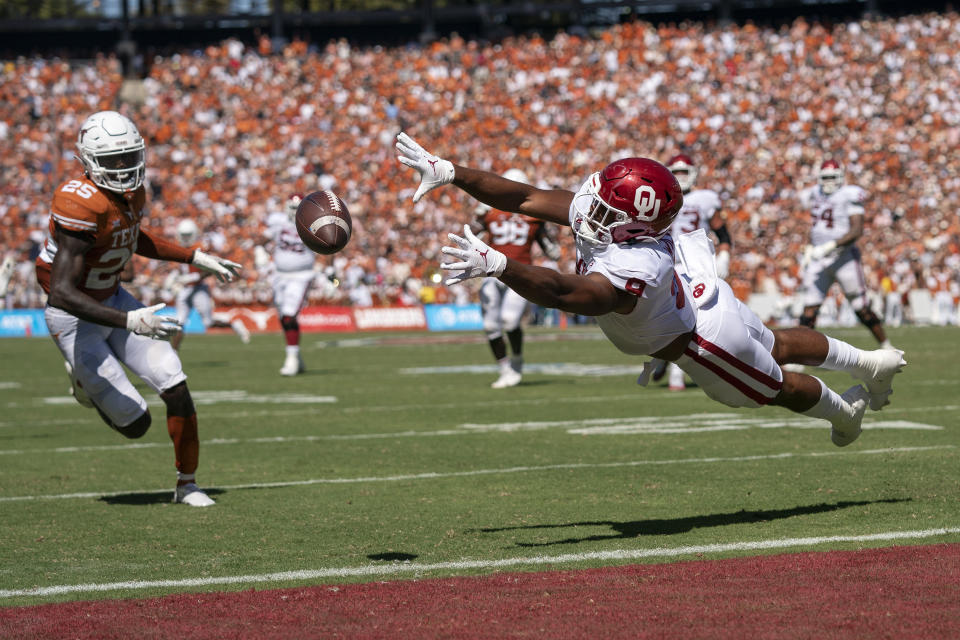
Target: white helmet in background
{"points": [[516, 175], [187, 232], [683, 168], [830, 176], [112, 151], [293, 203]]}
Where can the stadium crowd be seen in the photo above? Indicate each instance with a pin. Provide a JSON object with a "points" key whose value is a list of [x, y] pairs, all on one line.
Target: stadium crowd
{"points": [[232, 130]]}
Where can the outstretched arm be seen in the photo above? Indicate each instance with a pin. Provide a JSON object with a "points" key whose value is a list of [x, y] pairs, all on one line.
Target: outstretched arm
{"points": [[151, 246], [551, 205], [591, 295]]}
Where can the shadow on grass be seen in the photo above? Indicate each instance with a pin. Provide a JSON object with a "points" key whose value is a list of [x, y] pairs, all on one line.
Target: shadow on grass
{"points": [[672, 526], [393, 556], [152, 497]]}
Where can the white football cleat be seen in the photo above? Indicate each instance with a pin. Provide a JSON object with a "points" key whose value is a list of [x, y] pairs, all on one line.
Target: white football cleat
{"points": [[508, 378], [241, 329], [847, 424], [876, 369], [76, 390], [292, 365], [192, 495]]}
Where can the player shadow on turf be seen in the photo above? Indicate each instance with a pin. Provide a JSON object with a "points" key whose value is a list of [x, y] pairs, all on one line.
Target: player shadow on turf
{"points": [[393, 556], [673, 526], [149, 497]]}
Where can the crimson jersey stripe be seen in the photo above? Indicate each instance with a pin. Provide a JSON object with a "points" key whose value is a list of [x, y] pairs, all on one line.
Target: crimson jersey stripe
{"points": [[729, 358]]}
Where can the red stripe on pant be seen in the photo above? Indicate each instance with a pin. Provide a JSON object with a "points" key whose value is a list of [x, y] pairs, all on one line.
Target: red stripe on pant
{"points": [[732, 360]]}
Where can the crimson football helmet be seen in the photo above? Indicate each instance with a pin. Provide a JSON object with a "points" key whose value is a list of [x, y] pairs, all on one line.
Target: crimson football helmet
{"points": [[292, 204], [683, 168], [630, 200], [830, 176]]}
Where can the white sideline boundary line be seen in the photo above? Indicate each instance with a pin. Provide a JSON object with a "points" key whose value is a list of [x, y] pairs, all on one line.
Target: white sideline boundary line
{"points": [[432, 475], [399, 568]]}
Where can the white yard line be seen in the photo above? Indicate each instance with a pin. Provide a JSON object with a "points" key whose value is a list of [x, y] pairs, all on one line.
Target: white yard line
{"points": [[432, 475], [416, 569]]}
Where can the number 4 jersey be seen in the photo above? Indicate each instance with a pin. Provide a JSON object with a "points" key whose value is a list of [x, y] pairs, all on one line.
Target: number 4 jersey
{"points": [[831, 213]]}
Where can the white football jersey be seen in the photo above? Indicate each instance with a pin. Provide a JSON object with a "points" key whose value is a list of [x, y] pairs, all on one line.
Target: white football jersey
{"points": [[831, 213], [289, 252], [698, 209], [664, 308]]}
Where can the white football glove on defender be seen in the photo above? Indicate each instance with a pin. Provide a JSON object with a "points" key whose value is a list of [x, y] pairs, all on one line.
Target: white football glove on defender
{"points": [[476, 258], [145, 322], [723, 265], [821, 250], [225, 270], [434, 171]]}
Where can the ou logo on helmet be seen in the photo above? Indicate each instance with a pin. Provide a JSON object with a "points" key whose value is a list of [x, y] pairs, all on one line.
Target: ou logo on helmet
{"points": [[644, 201]]}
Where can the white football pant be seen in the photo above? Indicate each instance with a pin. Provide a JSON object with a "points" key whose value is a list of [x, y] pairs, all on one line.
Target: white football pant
{"points": [[502, 308], [290, 291], [730, 356], [96, 353]]}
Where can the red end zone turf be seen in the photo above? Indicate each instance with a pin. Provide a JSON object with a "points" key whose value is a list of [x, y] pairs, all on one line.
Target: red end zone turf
{"points": [[895, 592]]}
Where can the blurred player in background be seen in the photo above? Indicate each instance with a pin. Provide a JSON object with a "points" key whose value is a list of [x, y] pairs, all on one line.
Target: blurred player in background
{"points": [[293, 273], [503, 308], [191, 291], [654, 297], [6, 273], [832, 256], [98, 326], [701, 210]]}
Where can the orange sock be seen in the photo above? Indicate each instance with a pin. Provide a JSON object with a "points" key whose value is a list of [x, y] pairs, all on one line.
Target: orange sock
{"points": [[186, 443]]}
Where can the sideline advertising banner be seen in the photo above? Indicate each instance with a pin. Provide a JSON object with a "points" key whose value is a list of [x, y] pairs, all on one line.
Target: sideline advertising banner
{"points": [[19, 323], [451, 317]]}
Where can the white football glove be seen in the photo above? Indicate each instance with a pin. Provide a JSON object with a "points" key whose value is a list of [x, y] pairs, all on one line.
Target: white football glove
{"points": [[821, 250], [434, 171], [260, 257], [723, 265], [225, 270], [145, 322], [476, 258]]}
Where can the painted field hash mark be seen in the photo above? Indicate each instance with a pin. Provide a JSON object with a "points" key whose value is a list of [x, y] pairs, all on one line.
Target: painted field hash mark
{"points": [[908, 592], [229, 396]]}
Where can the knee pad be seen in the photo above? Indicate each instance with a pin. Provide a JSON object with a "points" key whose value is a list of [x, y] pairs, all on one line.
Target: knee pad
{"points": [[289, 323], [867, 317], [135, 429]]}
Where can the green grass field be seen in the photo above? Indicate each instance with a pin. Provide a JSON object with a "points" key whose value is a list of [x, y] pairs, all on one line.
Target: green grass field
{"points": [[392, 458]]}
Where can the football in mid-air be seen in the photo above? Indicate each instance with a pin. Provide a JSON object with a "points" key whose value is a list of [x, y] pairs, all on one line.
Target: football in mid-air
{"points": [[323, 222]]}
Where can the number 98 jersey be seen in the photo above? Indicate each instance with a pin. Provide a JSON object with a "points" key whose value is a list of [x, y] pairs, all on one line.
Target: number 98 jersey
{"points": [[512, 234], [111, 221]]}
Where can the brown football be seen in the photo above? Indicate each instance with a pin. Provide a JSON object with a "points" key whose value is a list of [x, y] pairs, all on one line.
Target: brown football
{"points": [[323, 222]]}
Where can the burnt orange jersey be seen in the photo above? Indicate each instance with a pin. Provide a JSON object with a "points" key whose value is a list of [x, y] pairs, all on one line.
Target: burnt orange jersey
{"points": [[112, 221], [512, 234]]}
